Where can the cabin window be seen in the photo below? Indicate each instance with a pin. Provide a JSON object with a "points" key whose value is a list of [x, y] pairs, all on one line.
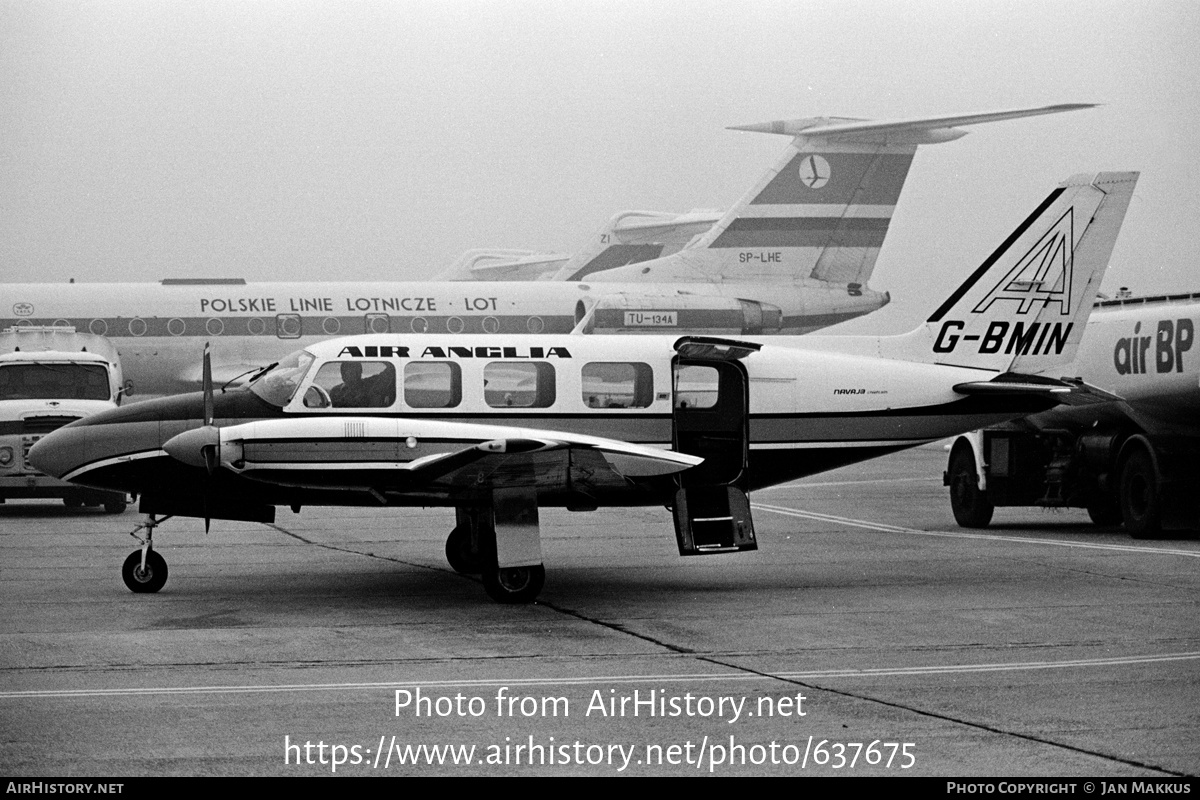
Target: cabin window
{"points": [[287, 326], [696, 386], [433, 384], [377, 323], [352, 384], [519, 384], [617, 385]]}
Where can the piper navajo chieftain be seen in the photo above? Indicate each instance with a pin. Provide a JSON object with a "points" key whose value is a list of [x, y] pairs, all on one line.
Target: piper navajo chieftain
{"points": [[498, 427], [793, 255]]}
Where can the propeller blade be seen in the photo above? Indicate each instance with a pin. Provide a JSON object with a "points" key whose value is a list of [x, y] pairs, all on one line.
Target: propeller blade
{"points": [[208, 387], [212, 457]]}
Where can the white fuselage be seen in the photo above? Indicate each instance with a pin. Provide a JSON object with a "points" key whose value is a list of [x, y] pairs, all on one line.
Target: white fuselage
{"points": [[160, 329]]}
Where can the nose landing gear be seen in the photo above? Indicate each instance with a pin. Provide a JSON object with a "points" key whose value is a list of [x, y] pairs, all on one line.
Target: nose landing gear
{"points": [[145, 571]]}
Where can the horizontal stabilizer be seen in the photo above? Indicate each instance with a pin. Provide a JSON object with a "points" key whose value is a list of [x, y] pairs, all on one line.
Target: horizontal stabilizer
{"points": [[921, 130], [503, 265], [1067, 391]]}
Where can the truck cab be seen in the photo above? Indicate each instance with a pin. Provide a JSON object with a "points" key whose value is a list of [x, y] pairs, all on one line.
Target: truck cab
{"points": [[49, 377]]}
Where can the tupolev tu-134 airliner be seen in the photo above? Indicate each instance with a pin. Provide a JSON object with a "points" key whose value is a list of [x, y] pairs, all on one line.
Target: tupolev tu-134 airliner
{"points": [[498, 427], [793, 255]]}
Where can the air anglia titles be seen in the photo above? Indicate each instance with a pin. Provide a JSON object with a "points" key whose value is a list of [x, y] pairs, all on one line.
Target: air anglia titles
{"points": [[395, 351]]}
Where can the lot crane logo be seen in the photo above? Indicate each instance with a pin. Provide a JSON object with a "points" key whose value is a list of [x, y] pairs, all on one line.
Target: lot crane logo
{"points": [[1043, 276], [815, 172], [23, 309]]}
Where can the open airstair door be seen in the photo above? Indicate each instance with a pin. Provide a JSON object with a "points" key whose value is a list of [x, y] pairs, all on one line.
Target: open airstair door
{"points": [[711, 400]]}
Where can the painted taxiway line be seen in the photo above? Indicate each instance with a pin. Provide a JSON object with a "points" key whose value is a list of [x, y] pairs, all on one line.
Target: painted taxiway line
{"points": [[807, 484], [877, 526], [600, 680]]}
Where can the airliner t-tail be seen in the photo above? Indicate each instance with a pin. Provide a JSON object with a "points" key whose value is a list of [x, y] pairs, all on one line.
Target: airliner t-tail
{"points": [[793, 255], [499, 426]]}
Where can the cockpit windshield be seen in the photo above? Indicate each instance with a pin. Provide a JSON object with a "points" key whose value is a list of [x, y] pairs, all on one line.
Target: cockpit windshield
{"points": [[278, 384]]}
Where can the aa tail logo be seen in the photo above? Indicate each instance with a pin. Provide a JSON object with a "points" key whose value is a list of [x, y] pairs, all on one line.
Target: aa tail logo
{"points": [[1042, 276]]}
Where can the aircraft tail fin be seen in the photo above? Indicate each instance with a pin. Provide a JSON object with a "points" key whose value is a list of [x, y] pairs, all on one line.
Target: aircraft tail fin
{"points": [[1025, 308], [822, 211], [632, 237]]}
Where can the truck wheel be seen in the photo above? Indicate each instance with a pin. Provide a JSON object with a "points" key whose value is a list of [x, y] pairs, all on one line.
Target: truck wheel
{"points": [[115, 506], [1139, 496], [971, 507], [73, 501], [1105, 513]]}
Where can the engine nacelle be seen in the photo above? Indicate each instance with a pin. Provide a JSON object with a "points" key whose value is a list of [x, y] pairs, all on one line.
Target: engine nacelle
{"points": [[698, 314]]}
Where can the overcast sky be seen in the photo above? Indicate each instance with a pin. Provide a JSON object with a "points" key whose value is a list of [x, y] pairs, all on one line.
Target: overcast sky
{"points": [[378, 140]]}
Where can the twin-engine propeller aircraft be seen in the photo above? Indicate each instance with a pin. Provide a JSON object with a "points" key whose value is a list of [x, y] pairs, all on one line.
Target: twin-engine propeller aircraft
{"points": [[498, 427], [792, 255]]}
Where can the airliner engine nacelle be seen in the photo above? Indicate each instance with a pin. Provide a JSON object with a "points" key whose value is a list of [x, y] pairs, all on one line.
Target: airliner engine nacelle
{"points": [[698, 314]]}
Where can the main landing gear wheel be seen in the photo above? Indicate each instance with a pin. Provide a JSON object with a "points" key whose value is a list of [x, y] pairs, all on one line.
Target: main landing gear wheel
{"points": [[147, 580], [463, 559], [1139, 496], [514, 584], [971, 507]]}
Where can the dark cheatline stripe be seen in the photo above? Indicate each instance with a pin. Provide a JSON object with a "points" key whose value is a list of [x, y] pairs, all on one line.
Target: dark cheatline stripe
{"points": [[975, 276], [862, 178], [295, 326], [804, 232]]}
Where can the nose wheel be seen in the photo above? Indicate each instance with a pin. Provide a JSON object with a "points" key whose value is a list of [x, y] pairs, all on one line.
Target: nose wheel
{"points": [[145, 571], [144, 578]]}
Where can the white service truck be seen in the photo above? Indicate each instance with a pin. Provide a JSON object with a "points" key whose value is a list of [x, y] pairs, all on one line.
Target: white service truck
{"points": [[1134, 461], [50, 376]]}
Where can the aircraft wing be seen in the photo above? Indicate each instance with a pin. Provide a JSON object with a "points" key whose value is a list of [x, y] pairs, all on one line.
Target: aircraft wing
{"points": [[1067, 391], [426, 457]]}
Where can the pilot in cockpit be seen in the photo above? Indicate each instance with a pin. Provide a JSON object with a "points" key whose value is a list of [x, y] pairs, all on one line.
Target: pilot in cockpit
{"points": [[352, 391], [355, 391]]}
